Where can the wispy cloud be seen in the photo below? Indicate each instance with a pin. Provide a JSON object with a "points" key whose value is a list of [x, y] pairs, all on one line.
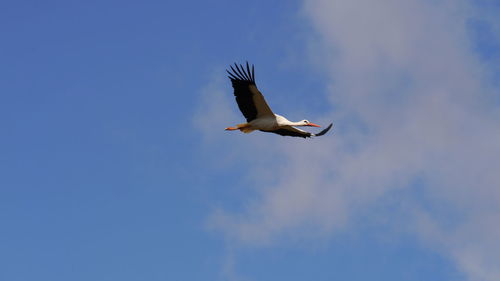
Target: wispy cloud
{"points": [[414, 104]]}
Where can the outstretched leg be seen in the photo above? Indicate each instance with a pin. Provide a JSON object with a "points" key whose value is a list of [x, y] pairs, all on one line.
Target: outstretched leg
{"points": [[245, 128]]}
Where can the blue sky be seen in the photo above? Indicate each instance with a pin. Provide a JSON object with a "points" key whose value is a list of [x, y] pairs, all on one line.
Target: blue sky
{"points": [[114, 164]]}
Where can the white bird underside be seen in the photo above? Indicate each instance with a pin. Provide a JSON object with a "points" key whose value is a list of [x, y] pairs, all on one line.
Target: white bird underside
{"points": [[259, 115]]}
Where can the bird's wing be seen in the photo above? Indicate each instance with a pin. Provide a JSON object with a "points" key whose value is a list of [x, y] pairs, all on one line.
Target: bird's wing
{"points": [[250, 100], [295, 132], [291, 131], [324, 131]]}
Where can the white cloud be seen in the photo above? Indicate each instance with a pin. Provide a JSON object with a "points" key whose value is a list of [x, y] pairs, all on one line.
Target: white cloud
{"points": [[414, 103]]}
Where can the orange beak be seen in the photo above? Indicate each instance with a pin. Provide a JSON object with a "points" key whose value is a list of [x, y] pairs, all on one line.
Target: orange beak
{"points": [[313, 125]]}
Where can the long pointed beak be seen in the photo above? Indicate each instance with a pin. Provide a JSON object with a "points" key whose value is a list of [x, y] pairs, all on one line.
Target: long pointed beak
{"points": [[313, 125]]}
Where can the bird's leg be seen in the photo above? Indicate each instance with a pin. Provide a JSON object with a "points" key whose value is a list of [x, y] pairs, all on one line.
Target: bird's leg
{"points": [[245, 128]]}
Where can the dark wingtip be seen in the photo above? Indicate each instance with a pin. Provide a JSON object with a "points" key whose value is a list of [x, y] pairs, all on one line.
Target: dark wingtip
{"points": [[250, 73], [236, 73], [324, 131], [240, 73], [244, 73], [231, 76]]}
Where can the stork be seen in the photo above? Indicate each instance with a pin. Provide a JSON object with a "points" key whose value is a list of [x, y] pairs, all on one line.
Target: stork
{"points": [[255, 109]]}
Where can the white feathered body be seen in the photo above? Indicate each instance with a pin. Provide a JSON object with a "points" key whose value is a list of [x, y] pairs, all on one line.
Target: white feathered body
{"points": [[269, 123]]}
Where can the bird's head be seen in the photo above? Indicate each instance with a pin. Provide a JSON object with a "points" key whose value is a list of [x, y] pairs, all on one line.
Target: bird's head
{"points": [[307, 123]]}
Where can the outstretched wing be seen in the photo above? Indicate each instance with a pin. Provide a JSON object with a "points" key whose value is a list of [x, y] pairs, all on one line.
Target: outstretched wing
{"points": [[250, 100], [324, 131], [295, 132], [291, 131]]}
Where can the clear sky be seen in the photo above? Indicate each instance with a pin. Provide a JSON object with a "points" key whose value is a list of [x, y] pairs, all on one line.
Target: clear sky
{"points": [[114, 164]]}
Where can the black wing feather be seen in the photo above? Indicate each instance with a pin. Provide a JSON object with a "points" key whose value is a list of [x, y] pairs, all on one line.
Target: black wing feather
{"points": [[249, 73], [324, 131], [232, 75], [236, 73], [241, 80], [285, 132], [243, 73]]}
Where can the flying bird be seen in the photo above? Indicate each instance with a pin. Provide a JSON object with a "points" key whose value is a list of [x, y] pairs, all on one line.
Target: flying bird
{"points": [[255, 109]]}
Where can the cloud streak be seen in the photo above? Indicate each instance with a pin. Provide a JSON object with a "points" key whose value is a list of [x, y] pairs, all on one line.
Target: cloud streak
{"points": [[414, 105]]}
